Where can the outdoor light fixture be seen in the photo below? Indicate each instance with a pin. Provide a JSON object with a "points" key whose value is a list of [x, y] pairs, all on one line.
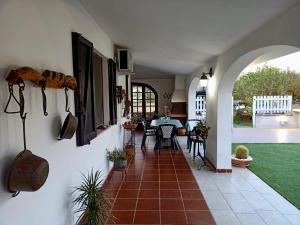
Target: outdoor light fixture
{"points": [[204, 78]]}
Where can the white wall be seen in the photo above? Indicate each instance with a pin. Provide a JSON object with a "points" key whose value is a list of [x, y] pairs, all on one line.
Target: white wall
{"points": [[280, 35], [37, 33], [161, 86]]}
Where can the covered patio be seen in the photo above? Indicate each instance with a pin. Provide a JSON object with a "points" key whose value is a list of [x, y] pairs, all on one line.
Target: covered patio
{"points": [[105, 62]]}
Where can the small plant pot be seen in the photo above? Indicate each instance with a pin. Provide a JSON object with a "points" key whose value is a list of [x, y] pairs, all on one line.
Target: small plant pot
{"points": [[120, 164], [241, 162], [181, 131], [130, 126], [246, 117]]}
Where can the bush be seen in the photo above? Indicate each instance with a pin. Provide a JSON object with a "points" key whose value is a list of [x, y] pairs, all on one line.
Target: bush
{"points": [[241, 152]]}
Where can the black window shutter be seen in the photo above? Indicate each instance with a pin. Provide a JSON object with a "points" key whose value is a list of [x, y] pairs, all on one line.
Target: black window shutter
{"points": [[84, 94], [112, 78]]}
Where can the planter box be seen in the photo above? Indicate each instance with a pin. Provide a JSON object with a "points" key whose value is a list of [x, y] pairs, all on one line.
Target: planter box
{"points": [[120, 164], [241, 162]]}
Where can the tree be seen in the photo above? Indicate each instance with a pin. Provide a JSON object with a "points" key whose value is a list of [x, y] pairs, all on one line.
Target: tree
{"points": [[266, 81]]}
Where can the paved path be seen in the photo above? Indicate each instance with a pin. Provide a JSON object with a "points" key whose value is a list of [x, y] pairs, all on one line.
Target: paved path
{"points": [[264, 135], [240, 197]]}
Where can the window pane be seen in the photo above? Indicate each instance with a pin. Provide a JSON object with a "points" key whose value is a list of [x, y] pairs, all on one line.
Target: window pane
{"points": [[139, 88]]}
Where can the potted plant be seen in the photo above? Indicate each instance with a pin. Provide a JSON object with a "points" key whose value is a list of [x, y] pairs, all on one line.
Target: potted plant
{"points": [[119, 157], [132, 123], [202, 130], [93, 201], [241, 157]]}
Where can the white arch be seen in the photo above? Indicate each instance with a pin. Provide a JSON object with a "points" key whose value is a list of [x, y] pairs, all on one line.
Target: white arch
{"points": [[192, 97], [224, 113]]}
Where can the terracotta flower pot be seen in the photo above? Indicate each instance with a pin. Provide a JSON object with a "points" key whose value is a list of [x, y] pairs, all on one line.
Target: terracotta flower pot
{"points": [[241, 162], [181, 131]]}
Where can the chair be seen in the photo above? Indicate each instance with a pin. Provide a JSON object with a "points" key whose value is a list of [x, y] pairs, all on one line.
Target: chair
{"points": [[190, 125], [166, 132], [148, 131]]}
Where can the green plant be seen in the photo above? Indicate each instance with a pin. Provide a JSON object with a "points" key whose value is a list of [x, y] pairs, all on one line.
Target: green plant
{"points": [[92, 199], [241, 152], [116, 154]]}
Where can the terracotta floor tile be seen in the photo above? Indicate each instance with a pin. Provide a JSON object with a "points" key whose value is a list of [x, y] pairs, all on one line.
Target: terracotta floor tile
{"points": [[185, 177], [150, 177], [171, 204], [150, 185], [173, 217], [195, 204], [158, 189], [125, 204], [169, 185], [128, 193], [199, 217], [183, 171], [112, 193], [166, 166], [167, 171], [147, 204], [130, 185], [191, 194], [188, 185], [173, 194], [130, 177], [168, 177], [147, 217], [153, 171], [121, 217], [148, 193]]}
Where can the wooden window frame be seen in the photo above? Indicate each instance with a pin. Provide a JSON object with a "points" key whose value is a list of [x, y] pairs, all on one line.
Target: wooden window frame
{"points": [[144, 86]]}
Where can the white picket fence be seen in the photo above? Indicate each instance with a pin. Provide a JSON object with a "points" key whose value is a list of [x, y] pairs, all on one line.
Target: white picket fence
{"points": [[200, 107], [271, 105]]}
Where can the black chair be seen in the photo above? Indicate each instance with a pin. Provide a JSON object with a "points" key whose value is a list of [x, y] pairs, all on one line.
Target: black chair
{"points": [[190, 125], [166, 132], [148, 131]]}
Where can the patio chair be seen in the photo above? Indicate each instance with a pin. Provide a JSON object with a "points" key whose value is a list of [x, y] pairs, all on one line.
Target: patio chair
{"points": [[166, 132], [190, 125], [148, 131]]}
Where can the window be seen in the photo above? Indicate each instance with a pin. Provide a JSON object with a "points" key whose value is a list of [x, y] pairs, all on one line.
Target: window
{"points": [[89, 67], [144, 100]]}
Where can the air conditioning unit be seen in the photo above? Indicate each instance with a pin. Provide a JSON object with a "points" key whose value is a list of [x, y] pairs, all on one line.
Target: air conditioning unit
{"points": [[125, 62]]}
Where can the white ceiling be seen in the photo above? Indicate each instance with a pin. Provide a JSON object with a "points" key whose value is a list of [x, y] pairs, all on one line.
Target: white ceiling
{"points": [[177, 36]]}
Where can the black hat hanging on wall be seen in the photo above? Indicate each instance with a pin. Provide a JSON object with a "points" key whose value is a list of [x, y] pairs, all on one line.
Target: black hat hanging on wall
{"points": [[70, 124], [28, 172]]}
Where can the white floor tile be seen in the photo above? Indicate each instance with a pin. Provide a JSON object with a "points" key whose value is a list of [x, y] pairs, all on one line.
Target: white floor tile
{"points": [[225, 217], [293, 219], [215, 200], [257, 201], [273, 218], [238, 203], [281, 204], [250, 219]]}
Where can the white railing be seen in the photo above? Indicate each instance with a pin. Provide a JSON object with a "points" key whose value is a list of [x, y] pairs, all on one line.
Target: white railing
{"points": [[200, 106], [271, 105]]}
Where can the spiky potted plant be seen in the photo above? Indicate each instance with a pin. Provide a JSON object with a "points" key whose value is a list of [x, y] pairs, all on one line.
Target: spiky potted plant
{"points": [[119, 157], [92, 200], [241, 157]]}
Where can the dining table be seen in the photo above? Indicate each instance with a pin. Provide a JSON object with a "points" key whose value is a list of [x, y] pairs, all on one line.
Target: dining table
{"points": [[155, 124]]}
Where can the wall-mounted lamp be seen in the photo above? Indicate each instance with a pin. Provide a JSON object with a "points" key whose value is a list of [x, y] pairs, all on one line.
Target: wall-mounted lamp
{"points": [[204, 78]]}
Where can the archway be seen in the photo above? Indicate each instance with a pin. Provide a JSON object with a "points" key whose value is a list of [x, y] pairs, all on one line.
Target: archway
{"points": [[224, 103], [192, 97]]}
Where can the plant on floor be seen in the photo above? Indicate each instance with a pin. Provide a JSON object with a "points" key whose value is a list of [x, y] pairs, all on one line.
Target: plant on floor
{"points": [[93, 201], [241, 152], [118, 156], [241, 157]]}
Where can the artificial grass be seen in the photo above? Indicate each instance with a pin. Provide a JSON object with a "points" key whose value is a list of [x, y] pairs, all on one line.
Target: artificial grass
{"points": [[279, 166]]}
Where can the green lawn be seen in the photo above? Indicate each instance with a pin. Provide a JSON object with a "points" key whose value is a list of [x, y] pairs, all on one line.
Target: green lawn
{"points": [[279, 166]]}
